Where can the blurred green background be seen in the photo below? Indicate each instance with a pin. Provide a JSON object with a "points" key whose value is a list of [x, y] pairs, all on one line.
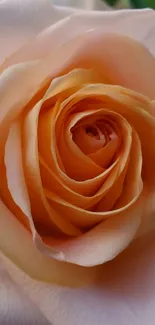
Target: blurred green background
{"points": [[133, 3]]}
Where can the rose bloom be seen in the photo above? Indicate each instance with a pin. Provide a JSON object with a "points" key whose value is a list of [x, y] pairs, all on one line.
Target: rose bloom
{"points": [[77, 133]]}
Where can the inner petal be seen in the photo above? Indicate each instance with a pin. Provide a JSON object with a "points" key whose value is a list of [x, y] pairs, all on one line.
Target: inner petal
{"points": [[39, 205], [89, 138], [108, 153], [62, 151], [95, 133], [100, 185], [79, 136], [103, 157]]}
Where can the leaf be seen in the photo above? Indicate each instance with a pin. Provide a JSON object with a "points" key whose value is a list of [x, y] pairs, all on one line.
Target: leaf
{"points": [[143, 3]]}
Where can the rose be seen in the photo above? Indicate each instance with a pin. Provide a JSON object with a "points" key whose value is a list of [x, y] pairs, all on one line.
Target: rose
{"points": [[56, 188], [73, 186], [16, 242]]}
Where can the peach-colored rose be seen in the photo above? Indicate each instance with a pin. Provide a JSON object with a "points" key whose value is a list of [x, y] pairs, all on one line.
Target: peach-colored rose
{"points": [[76, 148]]}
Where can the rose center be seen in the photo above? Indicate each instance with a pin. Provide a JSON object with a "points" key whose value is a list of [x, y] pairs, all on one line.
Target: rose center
{"points": [[89, 137], [92, 131]]}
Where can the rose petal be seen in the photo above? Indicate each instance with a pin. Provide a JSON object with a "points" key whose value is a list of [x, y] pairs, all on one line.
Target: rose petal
{"points": [[51, 38], [75, 163], [153, 108], [18, 200], [28, 258], [14, 80], [42, 209], [16, 13], [108, 60], [110, 199], [28, 79], [14, 171], [123, 291], [87, 202], [90, 143], [104, 155], [104, 241], [133, 184]]}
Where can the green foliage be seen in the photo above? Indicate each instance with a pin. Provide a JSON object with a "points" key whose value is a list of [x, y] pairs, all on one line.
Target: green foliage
{"points": [[143, 3], [135, 3]]}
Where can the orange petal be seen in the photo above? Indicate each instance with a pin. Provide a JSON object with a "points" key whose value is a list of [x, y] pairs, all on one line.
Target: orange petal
{"points": [[89, 143], [104, 241], [133, 184], [16, 180], [153, 108], [106, 181], [27, 256], [110, 199], [103, 156], [78, 165], [40, 210]]}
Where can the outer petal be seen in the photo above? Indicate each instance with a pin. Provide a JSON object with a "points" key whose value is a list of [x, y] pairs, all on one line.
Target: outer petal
{"points": [[104, 241], [28, 258], [141, 29], [122, 294], [15, 306], [119, 60], [20, 21]]}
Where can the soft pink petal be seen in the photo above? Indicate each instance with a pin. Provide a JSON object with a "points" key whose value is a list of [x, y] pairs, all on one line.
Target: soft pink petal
{"points": [[141, 29], [15, 304], [14, 15], [122, 293]]}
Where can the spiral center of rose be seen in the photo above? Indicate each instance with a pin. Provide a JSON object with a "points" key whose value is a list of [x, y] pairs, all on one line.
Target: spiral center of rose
{"points": [[93, 137], [93, 131]]}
